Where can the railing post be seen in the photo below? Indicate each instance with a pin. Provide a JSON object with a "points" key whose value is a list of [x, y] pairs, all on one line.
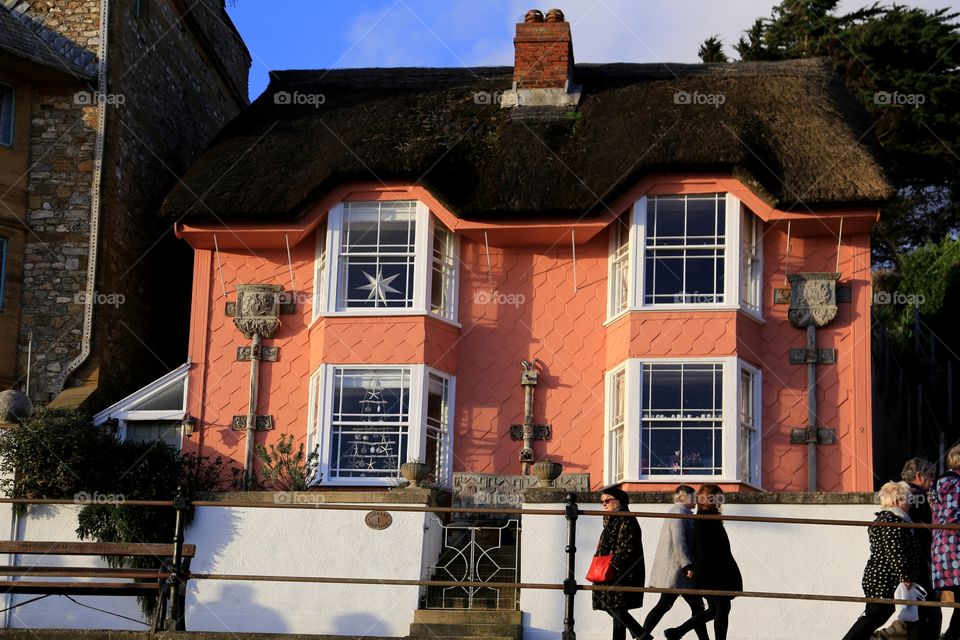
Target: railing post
{"points": [[175, 620], [570, 583]]}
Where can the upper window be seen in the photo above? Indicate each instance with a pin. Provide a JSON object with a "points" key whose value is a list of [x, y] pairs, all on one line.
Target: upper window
{"points": [[696, 419], [694, 251], [684, 250], [385, 258], [370, 420], [7, 109]]}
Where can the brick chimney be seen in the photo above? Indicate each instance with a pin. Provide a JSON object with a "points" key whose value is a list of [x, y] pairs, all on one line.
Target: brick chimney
{"points": [[544, 51]]}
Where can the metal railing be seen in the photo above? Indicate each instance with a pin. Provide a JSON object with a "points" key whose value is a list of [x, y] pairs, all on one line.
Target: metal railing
{"points": [[570, 587]]}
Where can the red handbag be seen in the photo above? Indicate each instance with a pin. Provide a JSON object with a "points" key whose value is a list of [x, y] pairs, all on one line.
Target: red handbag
{"points": [[600, 569]]}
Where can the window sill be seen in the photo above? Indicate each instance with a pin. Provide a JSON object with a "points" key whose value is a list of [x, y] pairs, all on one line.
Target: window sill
{"points": [[388, 313]]}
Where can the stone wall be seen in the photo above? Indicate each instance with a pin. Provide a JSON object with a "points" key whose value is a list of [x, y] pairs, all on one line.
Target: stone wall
{"points": [[177, 72]]}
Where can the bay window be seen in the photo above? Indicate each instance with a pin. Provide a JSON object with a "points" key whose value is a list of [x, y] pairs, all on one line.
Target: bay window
{"points": [[694, 419], [699, 251], [385, 258], [370, 419]]}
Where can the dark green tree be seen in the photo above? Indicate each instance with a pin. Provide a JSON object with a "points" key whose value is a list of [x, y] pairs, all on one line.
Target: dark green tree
{"points": [[712, 50], [903, 64]]}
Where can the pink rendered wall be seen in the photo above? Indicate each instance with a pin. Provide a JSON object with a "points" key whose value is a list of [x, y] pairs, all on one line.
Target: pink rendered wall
{"points": [[219, 385], [534, 309]]}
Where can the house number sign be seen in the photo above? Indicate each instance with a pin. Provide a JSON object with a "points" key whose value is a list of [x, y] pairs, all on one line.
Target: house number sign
{"points": [[378, 520]]}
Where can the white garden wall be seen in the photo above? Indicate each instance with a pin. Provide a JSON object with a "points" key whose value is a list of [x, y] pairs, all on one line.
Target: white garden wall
{"points": [[784, 558]]}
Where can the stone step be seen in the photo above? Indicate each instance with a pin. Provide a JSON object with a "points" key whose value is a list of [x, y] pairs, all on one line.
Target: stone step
{"points": [[466, 630], [441, 616]]}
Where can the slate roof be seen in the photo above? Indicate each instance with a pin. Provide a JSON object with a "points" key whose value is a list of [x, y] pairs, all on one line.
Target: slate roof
{"points": [[789, 130], [21, 37]]}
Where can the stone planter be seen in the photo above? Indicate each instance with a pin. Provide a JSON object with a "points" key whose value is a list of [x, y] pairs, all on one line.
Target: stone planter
{"points": [[547, 472], [414, 472]]}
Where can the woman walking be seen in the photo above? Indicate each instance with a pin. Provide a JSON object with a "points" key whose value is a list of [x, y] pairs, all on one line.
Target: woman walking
{"points": [[895, 556], [620, 539], [674, 557], [713, 566], [945, 504]]}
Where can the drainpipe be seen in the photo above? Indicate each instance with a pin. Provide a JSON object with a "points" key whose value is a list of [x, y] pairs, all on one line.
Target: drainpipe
{"points": [[252, 409], [95, 180], [812, 433]]}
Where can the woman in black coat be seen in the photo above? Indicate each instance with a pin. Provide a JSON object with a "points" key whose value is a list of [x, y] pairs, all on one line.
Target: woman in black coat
{"points": [[896, 555], [714, 568], [620, 538]]}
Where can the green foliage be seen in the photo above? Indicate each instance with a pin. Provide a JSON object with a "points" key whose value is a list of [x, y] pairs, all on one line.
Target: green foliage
{"points": [[54, 454], [284, 469], [712, 50], [903, 65], [929, 279]]}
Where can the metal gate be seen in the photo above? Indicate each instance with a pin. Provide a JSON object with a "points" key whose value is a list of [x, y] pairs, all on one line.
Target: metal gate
{"points": [[479, 553]]}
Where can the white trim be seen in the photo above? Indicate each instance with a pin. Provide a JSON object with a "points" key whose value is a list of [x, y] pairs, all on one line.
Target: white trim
{"points": [[120, 409], [321, 405], [633, 370], [328, 292], [734, 210]]}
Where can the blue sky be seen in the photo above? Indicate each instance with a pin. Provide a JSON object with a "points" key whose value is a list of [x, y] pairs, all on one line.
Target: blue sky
{"points": [[320, 34]]}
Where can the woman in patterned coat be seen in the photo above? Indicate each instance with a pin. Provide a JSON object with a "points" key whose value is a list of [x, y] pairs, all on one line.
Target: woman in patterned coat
{"points": [[621, 539], [945, 552], [895, 556]]}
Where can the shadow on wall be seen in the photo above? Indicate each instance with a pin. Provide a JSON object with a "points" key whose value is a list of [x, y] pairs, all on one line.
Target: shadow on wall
{"points": [[234, 599], [360, 624]]}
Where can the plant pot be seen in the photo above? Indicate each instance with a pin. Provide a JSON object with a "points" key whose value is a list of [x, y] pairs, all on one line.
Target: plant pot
{"points": [[547, 472], [414, 472]]}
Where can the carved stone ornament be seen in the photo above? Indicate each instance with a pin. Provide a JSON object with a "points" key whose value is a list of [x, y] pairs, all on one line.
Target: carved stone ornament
{"points": [[813, 299], [258, 309]]}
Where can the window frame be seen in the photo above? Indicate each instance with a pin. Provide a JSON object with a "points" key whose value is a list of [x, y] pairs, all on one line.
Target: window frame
{"points": [[11, 130], [736, 220], [320, 420], [632, 370], [328, 250]]}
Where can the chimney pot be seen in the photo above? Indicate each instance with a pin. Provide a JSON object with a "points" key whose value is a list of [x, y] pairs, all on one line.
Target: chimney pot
{"points": [[554, 15], [534, 15]]}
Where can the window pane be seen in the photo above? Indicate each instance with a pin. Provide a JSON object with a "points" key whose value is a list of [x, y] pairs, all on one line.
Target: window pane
{"points": [[7, 108], [437, 429], [684, 251], [370, 422], [443, 272], [169, 399], [681, 415], [166, 431], [377, 255]]}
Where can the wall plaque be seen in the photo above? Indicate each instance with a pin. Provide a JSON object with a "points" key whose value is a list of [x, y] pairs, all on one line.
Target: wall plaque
{"points": [[378, 520]]}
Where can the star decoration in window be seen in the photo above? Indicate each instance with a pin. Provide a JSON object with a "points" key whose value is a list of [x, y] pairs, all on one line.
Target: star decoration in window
{"points": [[379, 286]]}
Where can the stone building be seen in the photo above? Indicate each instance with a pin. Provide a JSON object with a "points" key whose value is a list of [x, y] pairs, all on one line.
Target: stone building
{"points": [[103, 105]]}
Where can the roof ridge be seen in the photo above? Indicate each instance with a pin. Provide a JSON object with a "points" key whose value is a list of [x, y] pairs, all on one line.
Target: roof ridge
{"points": [[73, 55]]}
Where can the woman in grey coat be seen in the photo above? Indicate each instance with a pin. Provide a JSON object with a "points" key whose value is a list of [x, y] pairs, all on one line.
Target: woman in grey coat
{"points": [[674, 557]]}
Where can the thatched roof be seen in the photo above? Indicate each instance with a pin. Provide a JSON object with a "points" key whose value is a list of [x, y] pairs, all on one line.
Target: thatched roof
{"points": [[789, 130]]}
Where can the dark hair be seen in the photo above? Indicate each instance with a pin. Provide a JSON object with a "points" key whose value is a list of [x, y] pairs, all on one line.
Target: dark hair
{"points": [[709, 498], [683, 489], [619, 494], [913, 466]]}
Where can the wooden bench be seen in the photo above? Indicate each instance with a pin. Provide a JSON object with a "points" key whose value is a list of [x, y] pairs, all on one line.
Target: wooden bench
{"points": [[100, 581]]}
